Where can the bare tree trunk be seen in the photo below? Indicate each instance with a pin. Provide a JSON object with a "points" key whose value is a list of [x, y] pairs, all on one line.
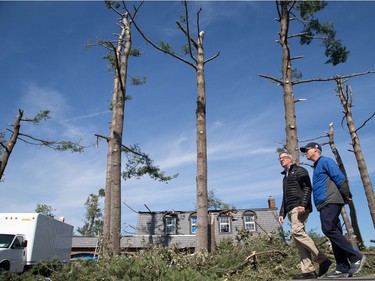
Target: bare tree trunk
{"points": [[289, 104], [354, 233], [304, 14], [202, 193], [346, 101], [112, 215], [201, 178], [107, 204], [11, 143]]}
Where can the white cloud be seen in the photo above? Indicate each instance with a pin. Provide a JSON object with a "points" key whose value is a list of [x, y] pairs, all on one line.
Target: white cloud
{"points": [[37, 98]]}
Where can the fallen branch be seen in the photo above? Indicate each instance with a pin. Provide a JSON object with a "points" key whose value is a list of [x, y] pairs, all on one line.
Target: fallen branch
{"points": [[252, 258]]}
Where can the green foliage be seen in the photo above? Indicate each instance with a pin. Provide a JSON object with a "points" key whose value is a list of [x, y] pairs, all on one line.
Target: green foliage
{"points": [[165, 47], [213, 202], [313, 29], [112, 62], [336, 52], [111, 58], [251, 257], [46, 268], [308, 9], [185, 49], [101, 192], [137, 81], [110, 4], [44, 209], [56, 145], [67, 145], [93, 223], [135, 52], [42, 115], [42, 271], [139, 164], [296, 73]]}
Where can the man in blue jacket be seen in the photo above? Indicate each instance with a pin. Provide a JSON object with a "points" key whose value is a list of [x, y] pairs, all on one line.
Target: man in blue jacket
{"points": [[331, 192]]}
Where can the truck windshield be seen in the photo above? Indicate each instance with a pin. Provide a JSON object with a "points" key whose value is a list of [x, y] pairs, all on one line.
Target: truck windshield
{"points": [[6, 240]]}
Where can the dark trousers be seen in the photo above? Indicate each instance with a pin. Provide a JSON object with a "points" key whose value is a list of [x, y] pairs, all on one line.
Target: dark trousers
{"points": [[342, 249]]}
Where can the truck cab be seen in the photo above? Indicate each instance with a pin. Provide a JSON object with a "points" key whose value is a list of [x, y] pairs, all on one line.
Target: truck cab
{"points": [[12, 252]]}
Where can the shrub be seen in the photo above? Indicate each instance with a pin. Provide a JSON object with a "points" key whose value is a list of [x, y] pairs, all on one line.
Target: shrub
{"points": [[267, 257]]}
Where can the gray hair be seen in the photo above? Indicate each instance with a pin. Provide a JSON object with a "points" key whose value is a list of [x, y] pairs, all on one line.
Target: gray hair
{"points": [[287, 153]]}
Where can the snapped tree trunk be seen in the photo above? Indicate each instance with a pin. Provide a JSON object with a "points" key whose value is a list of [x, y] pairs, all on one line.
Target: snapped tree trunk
{"points": [[11, 143], [201, 178], [202, 193], [346, 101]]}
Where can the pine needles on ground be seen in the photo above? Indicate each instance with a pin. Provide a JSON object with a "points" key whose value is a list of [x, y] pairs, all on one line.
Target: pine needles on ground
{"points": [[249, 258]]}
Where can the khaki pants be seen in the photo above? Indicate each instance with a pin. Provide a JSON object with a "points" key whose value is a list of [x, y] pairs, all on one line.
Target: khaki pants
{"points": [[305, 245]]}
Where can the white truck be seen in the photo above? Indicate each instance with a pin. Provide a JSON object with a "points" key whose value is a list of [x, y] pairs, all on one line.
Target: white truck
{"points": [[29, 238]]}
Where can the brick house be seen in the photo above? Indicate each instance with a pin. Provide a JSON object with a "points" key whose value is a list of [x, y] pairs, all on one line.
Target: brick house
{"points": [[178, 228]]}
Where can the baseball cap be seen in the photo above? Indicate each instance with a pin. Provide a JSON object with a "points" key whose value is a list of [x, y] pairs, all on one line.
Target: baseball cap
{"points": [[310, 145]]}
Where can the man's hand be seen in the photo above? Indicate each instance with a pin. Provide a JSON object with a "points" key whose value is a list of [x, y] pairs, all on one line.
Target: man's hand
{"points": [[301, 210]]}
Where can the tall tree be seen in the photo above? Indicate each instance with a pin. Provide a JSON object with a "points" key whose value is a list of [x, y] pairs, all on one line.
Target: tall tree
{"points": [[194, 49], [302, 12], [346, 99], [112, 205], [139, 163], [93, 222], [16, 134]]}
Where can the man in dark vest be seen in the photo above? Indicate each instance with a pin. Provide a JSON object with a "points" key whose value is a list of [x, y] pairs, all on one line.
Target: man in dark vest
{"points": [[297, 206]]}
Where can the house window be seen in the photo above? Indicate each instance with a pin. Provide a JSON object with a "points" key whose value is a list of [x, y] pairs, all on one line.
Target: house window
{"points": [[249, 221], [193, 224], [224, 223], [170, 224]]}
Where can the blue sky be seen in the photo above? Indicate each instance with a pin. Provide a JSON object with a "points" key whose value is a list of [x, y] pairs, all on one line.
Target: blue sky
{"points": [[44, 65]]}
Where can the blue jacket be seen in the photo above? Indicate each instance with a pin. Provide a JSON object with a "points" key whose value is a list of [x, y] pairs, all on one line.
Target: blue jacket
{"points": [[329, 183]]}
